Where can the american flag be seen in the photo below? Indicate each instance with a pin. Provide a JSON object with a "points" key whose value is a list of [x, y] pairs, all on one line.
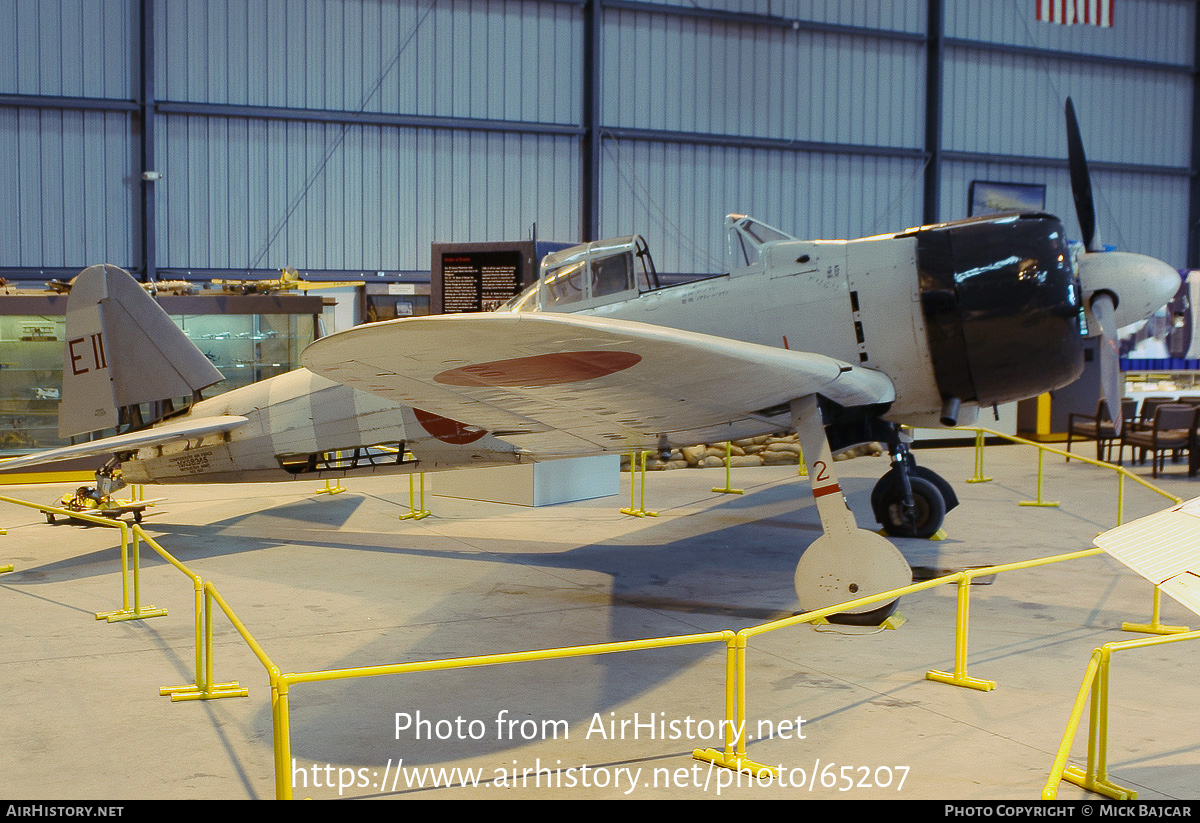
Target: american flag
{"points": [[1087, 12]]}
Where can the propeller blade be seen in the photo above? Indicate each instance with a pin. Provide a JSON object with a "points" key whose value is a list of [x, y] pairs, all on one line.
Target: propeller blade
{"points": [[1081, 183], [1111, 380]]}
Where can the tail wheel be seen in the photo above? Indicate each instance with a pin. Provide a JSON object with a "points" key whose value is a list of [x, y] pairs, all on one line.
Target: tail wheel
{"points": [[928, 513]]}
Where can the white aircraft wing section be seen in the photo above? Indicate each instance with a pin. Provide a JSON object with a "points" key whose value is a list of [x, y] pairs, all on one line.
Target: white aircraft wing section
{"points": [[561, 384], [1164, 548], [185, 429]]}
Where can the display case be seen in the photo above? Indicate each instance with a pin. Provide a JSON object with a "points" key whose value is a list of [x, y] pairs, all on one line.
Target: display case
{"points": [[31, 362], [247, 348]]}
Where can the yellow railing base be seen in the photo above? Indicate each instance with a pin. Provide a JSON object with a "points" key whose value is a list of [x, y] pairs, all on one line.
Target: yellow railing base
{"points": [[964, 681], [5, 569], [421, 515], [1075, 775], [338, 489], [1044, 503], [639, 513], [1148, 628], [979, 480], [728, 491], [192, 692], [131, 614], [738, 763]]}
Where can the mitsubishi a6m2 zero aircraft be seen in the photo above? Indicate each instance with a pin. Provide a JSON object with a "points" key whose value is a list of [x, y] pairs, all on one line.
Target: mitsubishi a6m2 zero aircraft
{"points": [[842, 341]]}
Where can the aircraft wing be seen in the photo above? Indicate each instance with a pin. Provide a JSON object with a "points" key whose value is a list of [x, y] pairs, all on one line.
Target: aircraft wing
{"points": [[184, 429], [1164, 548], [562, 384]]}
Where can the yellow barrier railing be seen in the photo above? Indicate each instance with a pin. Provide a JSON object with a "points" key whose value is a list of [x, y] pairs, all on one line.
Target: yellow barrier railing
{"points": [[1154, 626], [282, 684], [736, 757], [733, 754], [1095, 681], [1042, 448]]}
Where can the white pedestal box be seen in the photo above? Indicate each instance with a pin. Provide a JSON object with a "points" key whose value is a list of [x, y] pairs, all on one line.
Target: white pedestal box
{"points": [[535, 484]]}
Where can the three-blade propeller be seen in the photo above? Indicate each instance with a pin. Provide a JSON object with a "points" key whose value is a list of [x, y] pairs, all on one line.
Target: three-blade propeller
{"points": [[1119, 288]]}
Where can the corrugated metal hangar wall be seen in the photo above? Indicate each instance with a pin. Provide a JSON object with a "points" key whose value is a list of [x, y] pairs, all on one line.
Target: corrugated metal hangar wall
{"points": [[348, 135]]}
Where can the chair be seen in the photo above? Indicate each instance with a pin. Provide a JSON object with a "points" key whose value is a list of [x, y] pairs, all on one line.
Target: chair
{"points": [[1173, 429], [1145, 417], [1099, 427]]}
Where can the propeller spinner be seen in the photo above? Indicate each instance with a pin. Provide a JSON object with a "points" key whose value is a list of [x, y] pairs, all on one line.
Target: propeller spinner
{"points": [[1119, 288]]}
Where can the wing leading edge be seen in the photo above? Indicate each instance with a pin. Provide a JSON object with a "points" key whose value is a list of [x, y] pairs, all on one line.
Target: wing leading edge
{"points": [[562, 384]]}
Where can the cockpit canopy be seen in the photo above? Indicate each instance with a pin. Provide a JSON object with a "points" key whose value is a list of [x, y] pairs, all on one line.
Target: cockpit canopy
{"points": [[588, 275]]}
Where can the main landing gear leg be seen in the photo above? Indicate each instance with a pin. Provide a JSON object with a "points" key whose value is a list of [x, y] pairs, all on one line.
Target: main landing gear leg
{"points": [[910, 500], [846, 562]]}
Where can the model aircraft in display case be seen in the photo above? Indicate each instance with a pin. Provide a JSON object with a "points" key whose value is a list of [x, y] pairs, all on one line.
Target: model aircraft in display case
{"points": [[841, 341]]}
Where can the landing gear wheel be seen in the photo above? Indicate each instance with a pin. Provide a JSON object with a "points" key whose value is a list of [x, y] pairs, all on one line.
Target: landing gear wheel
{"points": [[929, 508]]}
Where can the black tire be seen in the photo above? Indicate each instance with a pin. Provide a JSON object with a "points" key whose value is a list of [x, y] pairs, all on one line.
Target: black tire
{"points": [[929, 509], [875, 617], [137, 516], [50, 518]]}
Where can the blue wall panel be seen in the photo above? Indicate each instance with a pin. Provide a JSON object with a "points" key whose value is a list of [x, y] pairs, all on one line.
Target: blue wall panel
{"points": [[264, 189]]}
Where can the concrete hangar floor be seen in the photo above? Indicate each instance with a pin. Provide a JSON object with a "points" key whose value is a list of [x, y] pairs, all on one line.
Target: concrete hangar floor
{"points": [[330, 582]]}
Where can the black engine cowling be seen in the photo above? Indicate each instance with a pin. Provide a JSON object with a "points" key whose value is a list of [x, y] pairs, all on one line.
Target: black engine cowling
{"points": [[1002, 307]]}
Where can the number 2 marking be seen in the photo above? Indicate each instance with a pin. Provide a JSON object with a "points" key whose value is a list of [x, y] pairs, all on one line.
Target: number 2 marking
{"points": [[822, 470]]}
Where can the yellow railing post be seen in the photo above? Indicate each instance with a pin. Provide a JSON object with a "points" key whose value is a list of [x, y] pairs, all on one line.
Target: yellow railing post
{"points": [[415, 513], [634, 474], [959, 676], [125, 612], [733, 755], [1094, 777], [728, 489], [336, 487], [1155, 625], [1058, 770], [282, 733], [205, 688], [979, 444], [1040, 475]]}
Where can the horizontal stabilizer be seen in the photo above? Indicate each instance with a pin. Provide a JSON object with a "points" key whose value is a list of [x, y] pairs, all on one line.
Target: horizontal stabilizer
{"points": [[185, 429], [1164, 548]]}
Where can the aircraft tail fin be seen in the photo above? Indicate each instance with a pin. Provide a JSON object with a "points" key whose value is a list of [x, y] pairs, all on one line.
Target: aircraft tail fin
{"points": [[122, 350]]}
